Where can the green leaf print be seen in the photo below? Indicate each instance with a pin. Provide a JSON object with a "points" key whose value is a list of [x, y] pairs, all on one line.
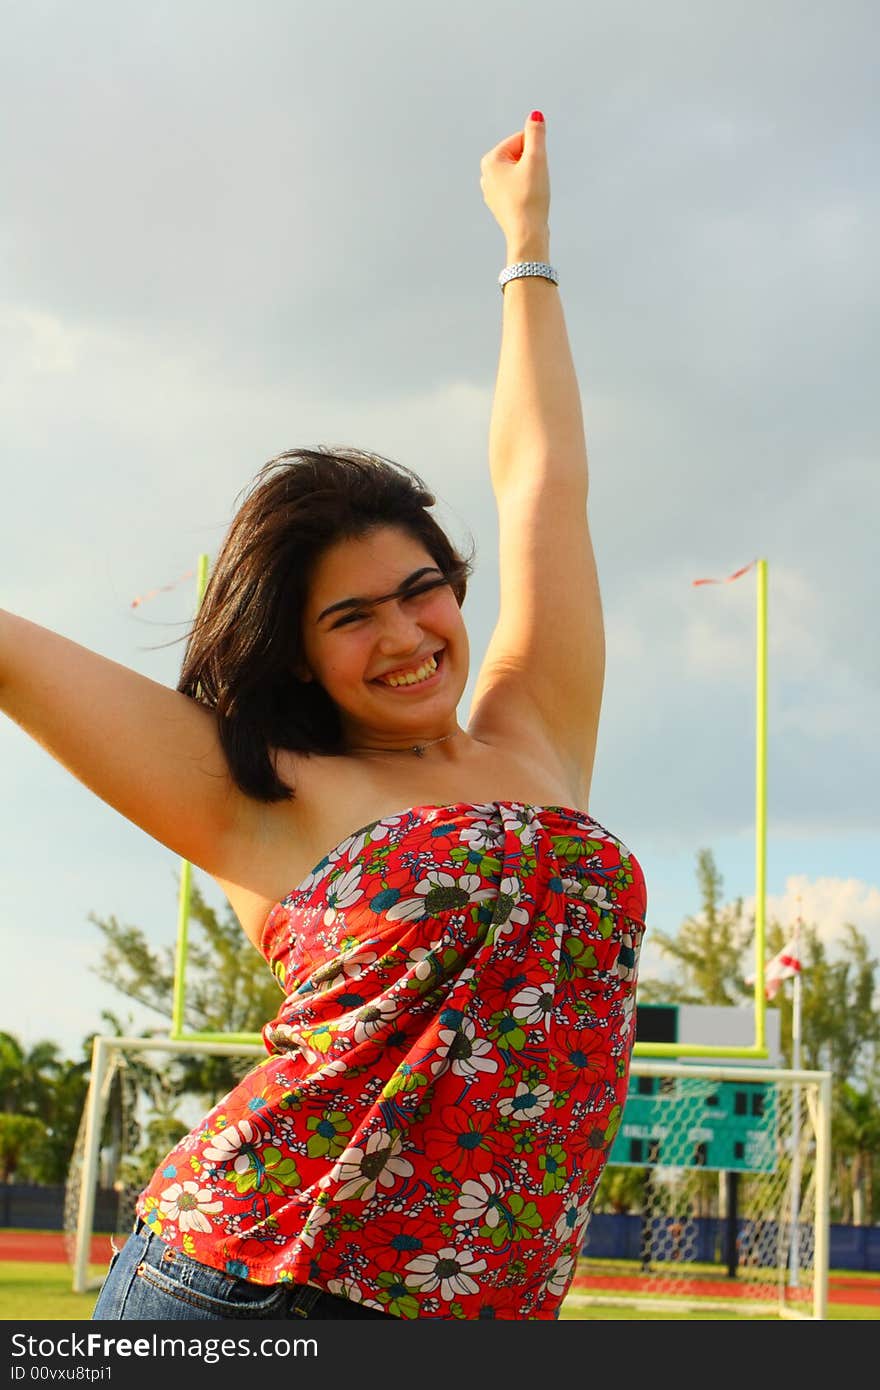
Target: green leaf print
{"points": [[553, 1161], [488, 865], [330, 1133], [508, 1032], [567, 847], [271, 1172], [519, 1218], [403, 1079], [606, 925], [398, 1297], [576, 958], [280, 1173], [614, 1120], [246, 1181]]}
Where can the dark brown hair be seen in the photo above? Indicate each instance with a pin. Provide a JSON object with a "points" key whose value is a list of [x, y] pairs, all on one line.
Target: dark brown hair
{"points": [[245, 644]]}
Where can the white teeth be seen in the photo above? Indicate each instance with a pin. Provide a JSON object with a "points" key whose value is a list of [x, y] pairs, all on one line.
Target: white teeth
{"points": [[412, 677]]}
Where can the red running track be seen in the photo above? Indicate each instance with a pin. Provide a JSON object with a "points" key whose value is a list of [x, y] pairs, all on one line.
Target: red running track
{"points": [[30, 1246]]}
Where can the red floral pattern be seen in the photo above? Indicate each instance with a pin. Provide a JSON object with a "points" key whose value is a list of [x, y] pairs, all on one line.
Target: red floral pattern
{"points": [[446, 1075]]}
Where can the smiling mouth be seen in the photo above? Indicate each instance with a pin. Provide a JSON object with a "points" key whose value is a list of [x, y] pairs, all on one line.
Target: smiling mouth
{"points": [[406, 679]]}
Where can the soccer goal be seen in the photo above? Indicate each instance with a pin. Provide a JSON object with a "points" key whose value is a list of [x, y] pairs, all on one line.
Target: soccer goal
{"points": [[715, 1196], [116, 1121]]}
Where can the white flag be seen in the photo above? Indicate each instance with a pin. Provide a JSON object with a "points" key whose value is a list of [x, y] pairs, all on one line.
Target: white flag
{"points": [[782, 967]]}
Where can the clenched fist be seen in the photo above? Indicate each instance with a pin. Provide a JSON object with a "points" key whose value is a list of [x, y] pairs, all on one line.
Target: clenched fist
{"points": [[515, 181]]}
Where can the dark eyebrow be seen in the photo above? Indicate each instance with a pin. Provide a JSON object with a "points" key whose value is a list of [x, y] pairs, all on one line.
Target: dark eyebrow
{"points": [[369, 602]]}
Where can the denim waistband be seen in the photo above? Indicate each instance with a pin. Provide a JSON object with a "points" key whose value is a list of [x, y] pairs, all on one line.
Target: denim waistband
{"points": [[301, 1300]]}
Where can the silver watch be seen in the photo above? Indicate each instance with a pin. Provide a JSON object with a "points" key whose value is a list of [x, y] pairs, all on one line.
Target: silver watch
{"points": [[513, 272]]}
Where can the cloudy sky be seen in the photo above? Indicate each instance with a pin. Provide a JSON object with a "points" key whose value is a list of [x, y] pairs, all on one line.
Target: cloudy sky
{"points": [[228, 231]]}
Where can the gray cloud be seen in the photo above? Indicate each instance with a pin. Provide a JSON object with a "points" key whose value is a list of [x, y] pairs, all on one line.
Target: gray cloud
{"points": [[230, 232]]}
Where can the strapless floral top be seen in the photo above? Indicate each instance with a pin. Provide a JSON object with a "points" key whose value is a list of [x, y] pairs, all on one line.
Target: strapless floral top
{"points": [[445, 1075]]}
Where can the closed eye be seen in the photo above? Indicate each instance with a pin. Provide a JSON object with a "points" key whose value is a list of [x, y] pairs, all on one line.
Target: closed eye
{"points": [[349, 618], [425, 588], [416, 592]]}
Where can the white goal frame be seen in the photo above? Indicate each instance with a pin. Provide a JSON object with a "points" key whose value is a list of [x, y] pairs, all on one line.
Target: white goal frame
{"points": [[104, 1048]]}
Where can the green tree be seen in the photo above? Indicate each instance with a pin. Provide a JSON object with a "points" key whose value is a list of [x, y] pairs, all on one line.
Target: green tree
{"points": [[19, 1136], [707, 952], [229, 988], [27, 1075], [38, 1083], [857, 1134]]}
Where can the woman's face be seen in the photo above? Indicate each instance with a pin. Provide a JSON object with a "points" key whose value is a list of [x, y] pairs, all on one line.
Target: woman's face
{"points": [[377, 663]]}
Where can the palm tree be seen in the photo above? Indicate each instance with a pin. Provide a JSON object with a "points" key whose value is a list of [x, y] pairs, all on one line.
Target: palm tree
{"points": [[857, 1134], [27, 1077]]}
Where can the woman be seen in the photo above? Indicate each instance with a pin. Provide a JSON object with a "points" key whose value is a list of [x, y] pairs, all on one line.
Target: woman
{"points": [[449, 1064]]}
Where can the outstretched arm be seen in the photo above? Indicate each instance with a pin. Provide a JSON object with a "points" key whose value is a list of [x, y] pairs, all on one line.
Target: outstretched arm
{"points": [[544, 667], [150, 752]]}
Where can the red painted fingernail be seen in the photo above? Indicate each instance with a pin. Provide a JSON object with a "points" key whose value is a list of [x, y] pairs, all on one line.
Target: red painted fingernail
{"points": [[536, 116]]}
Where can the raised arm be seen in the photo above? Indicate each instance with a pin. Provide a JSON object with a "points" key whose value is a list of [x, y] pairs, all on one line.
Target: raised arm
{"points": [[148, 751], [545, 664]]}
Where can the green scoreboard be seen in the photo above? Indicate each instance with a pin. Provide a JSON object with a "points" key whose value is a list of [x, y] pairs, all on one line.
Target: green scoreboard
{"points": [[695, 1122]]}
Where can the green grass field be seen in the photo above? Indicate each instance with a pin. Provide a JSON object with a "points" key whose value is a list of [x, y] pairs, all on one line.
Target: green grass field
{"points": [[42, 1291]]}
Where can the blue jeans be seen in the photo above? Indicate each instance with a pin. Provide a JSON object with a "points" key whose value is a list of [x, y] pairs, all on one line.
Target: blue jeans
{"points": [[149, 1281]]}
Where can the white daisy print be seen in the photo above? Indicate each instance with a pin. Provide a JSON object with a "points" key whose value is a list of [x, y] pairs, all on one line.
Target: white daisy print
{"points": [[448, 1270], [317, 1217], [352, 845], [533, 1005], [342, 893], [359, 1171], [438, 892], [567, 1221], [507, 913], [521, 827], [225, 1147], [483, 835], [461, 1049], [188, 1205], [561, 1277], [479, 1201], [595, 893], [350, 966], [318, 874], [372, 1018], [420, 960], [528, 1103], [347, 1288]]}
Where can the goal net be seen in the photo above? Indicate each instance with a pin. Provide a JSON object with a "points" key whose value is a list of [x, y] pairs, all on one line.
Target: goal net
{"points": [[139, 1091], [715, 1196]]}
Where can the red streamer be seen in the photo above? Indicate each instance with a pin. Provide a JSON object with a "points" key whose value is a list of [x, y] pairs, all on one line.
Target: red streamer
{"points": [[163, 588], [736, 575]]}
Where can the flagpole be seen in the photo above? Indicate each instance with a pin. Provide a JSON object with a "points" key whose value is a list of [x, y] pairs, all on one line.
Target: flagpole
{"points": [[794, 1262]]}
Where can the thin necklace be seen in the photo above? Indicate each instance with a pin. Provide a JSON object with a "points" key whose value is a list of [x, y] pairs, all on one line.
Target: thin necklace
{"points": [[417, 748]]}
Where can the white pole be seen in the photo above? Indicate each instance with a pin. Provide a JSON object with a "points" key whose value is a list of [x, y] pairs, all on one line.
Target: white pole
{"points": [[89, 1173], [823, 1215], [794, 1262]]}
